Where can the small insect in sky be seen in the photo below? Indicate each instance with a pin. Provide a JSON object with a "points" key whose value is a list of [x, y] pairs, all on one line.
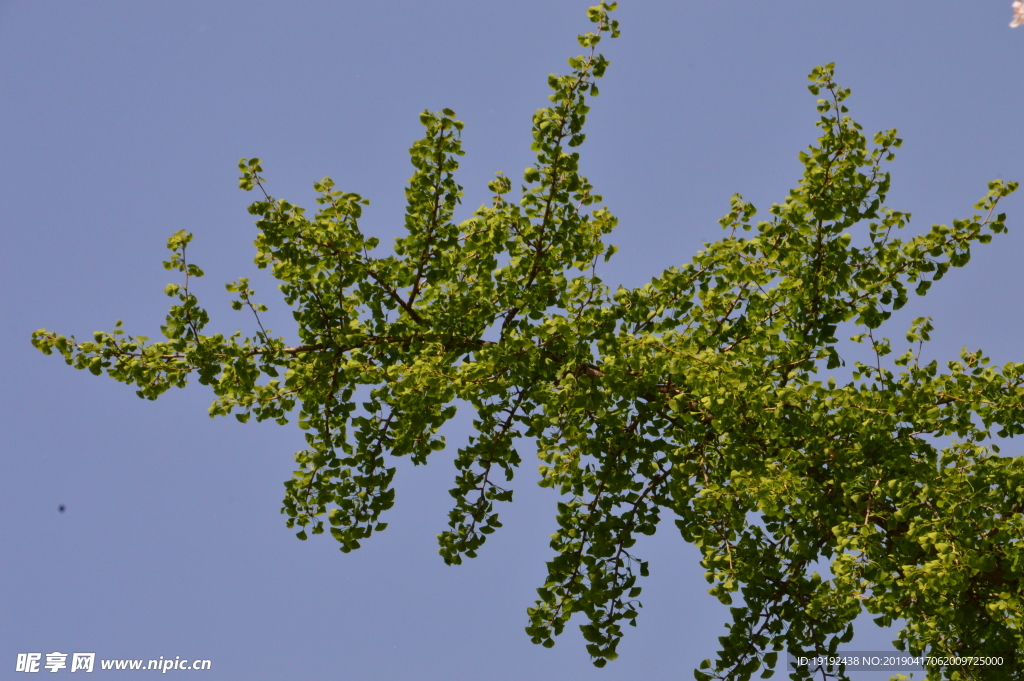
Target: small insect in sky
{"points": [[1018, 13], [61, 508]]}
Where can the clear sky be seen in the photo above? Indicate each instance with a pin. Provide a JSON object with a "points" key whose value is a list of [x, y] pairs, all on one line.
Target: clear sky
{"points": [[122, 122]]}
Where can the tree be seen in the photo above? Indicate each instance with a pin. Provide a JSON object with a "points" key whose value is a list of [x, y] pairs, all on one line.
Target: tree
{"points": [[699, 393]]}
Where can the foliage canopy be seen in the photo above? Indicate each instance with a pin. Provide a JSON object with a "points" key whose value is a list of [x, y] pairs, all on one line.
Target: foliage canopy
{"points": [[698, 393]]}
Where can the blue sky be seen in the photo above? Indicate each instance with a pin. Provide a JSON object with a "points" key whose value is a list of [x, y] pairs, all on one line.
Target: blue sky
{"points": [[122, 122]]}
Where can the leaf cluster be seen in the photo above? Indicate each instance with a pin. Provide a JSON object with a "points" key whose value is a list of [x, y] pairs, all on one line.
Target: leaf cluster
{"points": [[698, 394]]}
